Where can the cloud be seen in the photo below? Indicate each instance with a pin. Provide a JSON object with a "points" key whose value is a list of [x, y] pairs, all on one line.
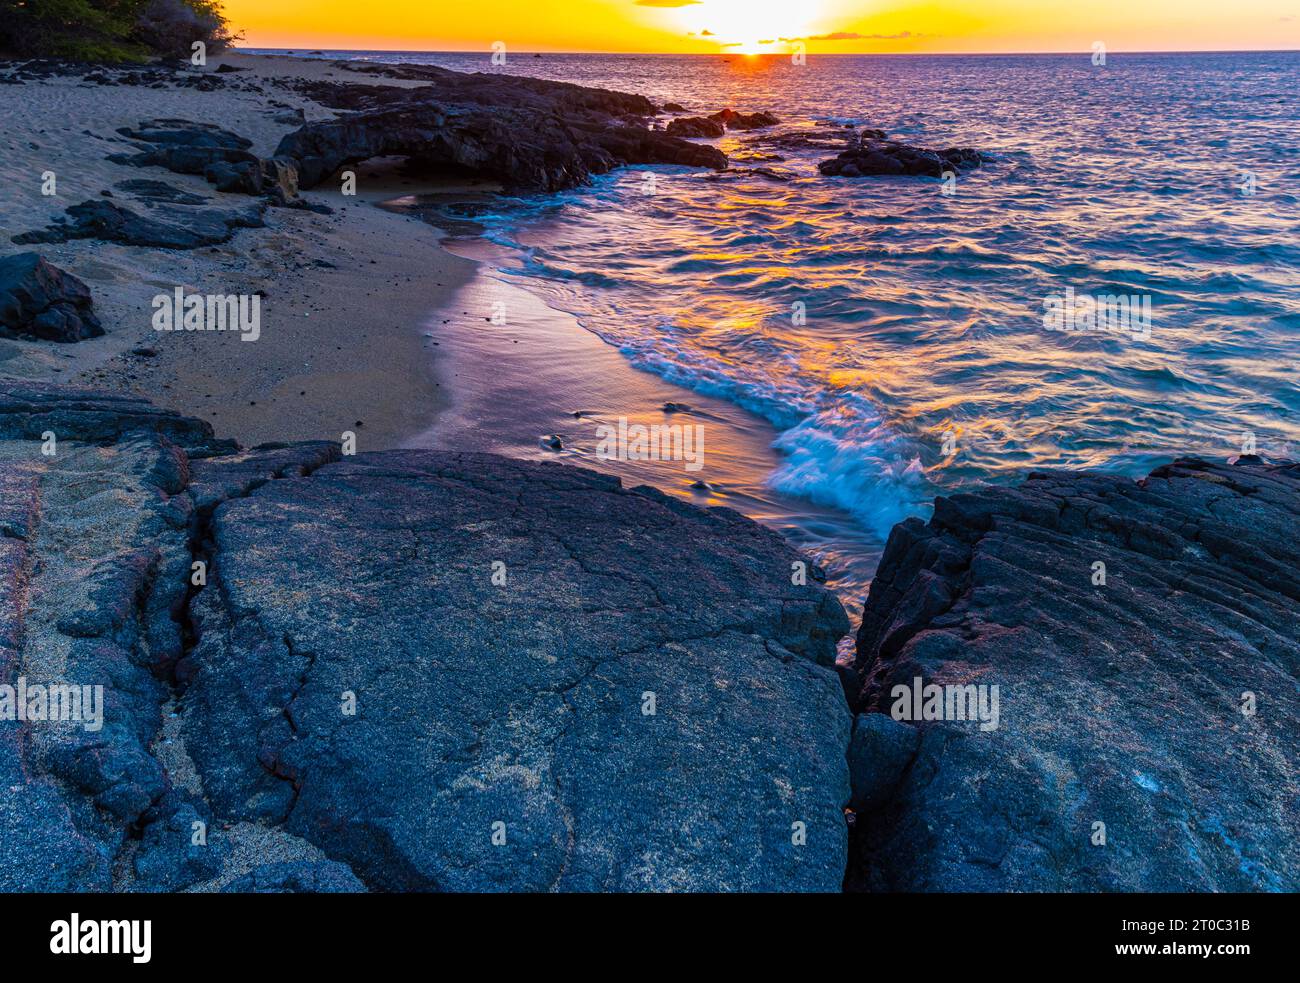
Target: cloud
{"points": [[854, 36], [706, 33], [667, 3]]}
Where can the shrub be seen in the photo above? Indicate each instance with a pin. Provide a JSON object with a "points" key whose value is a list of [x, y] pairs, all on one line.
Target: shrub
{"points": [[170, 27], [110, 30]]}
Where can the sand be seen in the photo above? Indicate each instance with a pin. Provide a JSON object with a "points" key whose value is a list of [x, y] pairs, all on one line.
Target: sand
{"points": [[346, 296]]}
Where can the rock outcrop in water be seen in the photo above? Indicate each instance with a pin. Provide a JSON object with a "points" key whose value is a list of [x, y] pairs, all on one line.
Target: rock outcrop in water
{"points": [[870, 154], [1145, 639], [405, 670], [695, 126], [528, 134]]}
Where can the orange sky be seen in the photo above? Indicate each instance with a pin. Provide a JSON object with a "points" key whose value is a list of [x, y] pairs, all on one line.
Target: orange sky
{"points": [[847, 26]]}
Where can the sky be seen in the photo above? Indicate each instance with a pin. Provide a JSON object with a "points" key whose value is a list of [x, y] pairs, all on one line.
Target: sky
{"points": [[761, 26]]}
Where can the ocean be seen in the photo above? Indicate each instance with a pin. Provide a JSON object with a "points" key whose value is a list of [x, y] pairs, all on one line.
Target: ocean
{"points": [[896, 332]]}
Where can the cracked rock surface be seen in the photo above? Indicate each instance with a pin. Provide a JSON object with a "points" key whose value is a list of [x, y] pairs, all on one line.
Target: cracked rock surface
{"points": [[645, 703], [523, 704], [1121, 702]]}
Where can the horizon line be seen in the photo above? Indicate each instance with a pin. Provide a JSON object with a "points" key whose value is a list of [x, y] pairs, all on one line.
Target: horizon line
{"points": [[779, 54]]}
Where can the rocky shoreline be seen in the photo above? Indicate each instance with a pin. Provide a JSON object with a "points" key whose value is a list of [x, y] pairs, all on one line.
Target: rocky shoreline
{"points": [[437, 671], [406, 670]]}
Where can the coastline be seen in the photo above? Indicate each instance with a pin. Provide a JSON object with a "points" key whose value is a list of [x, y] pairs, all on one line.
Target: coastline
{"points": [[371, 321], [500, 624]]}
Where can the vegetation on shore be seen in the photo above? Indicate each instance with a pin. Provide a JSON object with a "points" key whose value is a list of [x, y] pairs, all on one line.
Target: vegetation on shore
{"points": [[111, 30]]}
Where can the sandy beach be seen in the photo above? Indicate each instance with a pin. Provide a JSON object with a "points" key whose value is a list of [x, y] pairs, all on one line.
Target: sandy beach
{"points": [[371, 324], [345, 295]]}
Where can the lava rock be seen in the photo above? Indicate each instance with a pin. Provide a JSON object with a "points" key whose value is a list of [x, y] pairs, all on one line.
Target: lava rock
{"points": [[695, 126], [40, 300], [147, 189], [1144, 636], [297, 877], [744, 121], [868, 155], [641, 651], [165, 227], [528, 134]]}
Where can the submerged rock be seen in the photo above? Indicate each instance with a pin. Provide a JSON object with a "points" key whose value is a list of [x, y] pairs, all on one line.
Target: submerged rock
{"points": [[695, 126], [40, 300], [1144, 638], [869, 154], [744, 121]]}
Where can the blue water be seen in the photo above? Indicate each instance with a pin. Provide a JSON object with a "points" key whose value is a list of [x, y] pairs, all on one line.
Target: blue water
{"points": [[924, 365]]}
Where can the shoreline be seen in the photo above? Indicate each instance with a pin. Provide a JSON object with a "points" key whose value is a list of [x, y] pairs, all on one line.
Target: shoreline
{"points": [[357, 309]]}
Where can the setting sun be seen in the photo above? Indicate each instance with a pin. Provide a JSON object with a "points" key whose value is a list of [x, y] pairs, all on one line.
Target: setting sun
{"points": [[747, 26]]}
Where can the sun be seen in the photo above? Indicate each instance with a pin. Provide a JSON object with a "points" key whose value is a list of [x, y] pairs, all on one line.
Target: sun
{"points": [[750, 27]]}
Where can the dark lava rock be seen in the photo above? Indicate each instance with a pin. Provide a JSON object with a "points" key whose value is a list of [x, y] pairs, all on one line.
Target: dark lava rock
{"points": [[869, 155], [767, 173], [880, 751], [185, 133], [528, 134], [96, 542], [28, 409], [276, 178], [158, 191], [183, 146], [220, 156], [644, 703], [299, 877], [1156, 695], [166, 227], [695, 126], [40, 300], [673, 107], [744, 121]]}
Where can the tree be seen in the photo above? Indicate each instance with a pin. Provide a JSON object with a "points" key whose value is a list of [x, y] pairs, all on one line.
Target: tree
{"points": [[110, 30]]}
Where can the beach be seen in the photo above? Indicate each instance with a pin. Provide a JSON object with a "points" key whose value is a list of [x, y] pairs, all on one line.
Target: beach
{"points": [[345, 296]]}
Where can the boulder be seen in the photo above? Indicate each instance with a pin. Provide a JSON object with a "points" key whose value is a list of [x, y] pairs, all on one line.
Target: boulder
{"points": [[644, 702], [744, 121], [40, 300], [355, 700], [527, 134], [868, 154], [163, 226], [695, 126], [1144, 637]]}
